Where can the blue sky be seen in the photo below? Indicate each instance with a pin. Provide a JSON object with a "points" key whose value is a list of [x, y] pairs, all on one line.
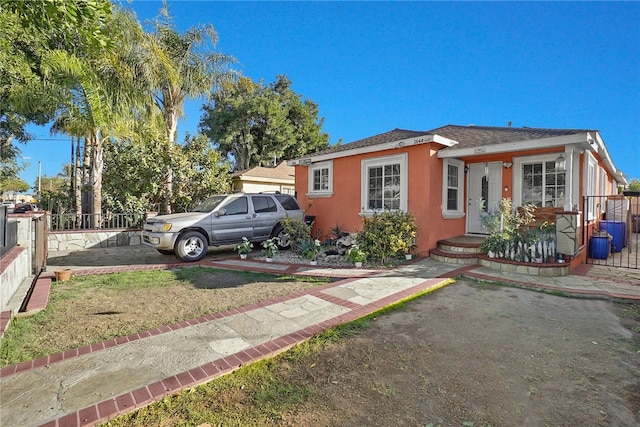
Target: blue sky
{"points": [[375, 66]]}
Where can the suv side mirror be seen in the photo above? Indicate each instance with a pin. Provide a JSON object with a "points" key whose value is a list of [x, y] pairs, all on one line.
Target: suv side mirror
{"points": [[220, 212]]}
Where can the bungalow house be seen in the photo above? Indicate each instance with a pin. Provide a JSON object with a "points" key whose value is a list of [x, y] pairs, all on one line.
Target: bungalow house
{"points": [[440, 176], [264, 179]]}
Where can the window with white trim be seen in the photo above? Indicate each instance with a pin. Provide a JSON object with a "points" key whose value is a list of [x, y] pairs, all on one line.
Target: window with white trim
{"points": [[590, 182], [603, 182], [321, 179], [453, 188], [543, 184], [384, 184]]}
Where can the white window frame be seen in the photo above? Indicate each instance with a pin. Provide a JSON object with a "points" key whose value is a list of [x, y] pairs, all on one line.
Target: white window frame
{"points": [[590, 167], [603, 182], [517, 175], [318, 167], [459, 212], [365, 164]]}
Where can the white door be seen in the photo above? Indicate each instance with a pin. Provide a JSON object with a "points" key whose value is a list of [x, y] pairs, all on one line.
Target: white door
{"points": [[484, 185]]}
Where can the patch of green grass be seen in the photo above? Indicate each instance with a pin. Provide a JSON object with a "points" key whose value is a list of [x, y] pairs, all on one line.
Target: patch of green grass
{"points": [[308, 279]]}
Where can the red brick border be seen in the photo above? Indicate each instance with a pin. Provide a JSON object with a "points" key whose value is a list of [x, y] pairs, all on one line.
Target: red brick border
{"points": [[143, 396]]}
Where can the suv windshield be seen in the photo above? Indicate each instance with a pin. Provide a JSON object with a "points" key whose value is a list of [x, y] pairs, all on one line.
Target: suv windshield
{"points": [[210, 204]]}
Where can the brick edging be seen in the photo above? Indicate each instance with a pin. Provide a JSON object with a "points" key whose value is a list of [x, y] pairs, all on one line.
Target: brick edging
{"points": [[143, 396]]}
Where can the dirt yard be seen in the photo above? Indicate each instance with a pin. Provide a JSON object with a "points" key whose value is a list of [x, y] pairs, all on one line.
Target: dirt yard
{"points": [[471, 355]]}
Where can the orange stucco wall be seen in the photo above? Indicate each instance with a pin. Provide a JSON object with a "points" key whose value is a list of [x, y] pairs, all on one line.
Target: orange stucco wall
{"points": [[424, 192], [424, 196]]}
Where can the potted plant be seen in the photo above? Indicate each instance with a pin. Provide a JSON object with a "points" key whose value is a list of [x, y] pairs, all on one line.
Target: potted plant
{"points": [[409, 250], [270, 248], [244, 248], [356, 255], [311, 249]]}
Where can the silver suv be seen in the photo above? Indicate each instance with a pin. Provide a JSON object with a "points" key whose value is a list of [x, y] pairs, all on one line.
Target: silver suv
{"points": [[221, 220]]}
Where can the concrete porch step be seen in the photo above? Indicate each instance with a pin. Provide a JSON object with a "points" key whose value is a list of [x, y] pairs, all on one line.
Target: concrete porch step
{"points": [[453, 257]]}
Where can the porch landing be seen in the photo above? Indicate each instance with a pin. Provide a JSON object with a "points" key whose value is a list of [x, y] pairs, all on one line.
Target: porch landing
{"points": [[465, 250]]}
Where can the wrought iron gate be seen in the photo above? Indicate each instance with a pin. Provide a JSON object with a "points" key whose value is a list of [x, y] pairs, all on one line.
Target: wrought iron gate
{"points": [[611, 229]]}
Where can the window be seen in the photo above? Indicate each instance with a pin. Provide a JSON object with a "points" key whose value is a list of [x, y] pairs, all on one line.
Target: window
{"points": [[452, 188], [237, 207], [590, 183], [321, 179], [603, 182], [384, 184], [288, 202], [542, 184], [264, 204]]}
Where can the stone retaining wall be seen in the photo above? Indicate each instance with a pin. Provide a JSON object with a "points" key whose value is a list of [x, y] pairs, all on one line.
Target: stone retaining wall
{"points": [[72, 241]]}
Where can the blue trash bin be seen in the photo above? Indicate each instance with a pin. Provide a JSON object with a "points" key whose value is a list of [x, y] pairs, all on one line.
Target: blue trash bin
{"points": [[600, 246], [617, 230]]}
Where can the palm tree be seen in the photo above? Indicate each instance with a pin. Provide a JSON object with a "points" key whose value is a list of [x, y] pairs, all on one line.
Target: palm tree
{"points": [[181, 66], [102, 91]]}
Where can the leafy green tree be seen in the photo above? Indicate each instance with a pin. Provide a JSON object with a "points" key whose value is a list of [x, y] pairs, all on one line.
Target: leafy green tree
{"points": [[19, 53], [181, 65], [256, 125], [14, 184], [103, 94], [134, 174], [634, 184], [200, 173], [29, 30], [63, 22]]}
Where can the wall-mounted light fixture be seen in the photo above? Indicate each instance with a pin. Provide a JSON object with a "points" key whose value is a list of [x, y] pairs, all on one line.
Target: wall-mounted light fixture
{"points": [[561, 163], [466, 169], [507, 165]]}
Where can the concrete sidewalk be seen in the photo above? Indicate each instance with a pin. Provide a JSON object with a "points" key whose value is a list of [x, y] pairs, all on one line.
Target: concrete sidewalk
{"points": [[95, 383]]}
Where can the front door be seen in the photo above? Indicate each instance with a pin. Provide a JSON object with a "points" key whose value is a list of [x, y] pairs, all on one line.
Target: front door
{"points": [[484, 185]]}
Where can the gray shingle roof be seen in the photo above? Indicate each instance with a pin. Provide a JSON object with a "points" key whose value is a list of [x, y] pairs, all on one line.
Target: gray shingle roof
{"points": [[466, 136], [477, 136], [393, 135]]}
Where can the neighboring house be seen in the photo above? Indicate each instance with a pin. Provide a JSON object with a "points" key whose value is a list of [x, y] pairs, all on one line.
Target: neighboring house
{"points": [[263, 179], [441, 174]]}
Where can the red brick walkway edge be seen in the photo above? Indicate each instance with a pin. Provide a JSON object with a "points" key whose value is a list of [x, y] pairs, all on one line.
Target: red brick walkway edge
{"points": [[136, 399]]}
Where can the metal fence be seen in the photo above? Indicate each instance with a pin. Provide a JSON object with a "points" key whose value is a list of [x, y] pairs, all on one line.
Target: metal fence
{"points": [[612, 230], [8, 232], [67, 222]]}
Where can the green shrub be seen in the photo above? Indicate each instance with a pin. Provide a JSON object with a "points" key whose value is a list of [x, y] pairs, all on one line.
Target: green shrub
{"points": [[388, 234], [298, 231]]}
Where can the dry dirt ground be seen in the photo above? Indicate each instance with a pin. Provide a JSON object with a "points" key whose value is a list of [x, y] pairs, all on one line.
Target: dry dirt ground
{"points": [[471, 355]]}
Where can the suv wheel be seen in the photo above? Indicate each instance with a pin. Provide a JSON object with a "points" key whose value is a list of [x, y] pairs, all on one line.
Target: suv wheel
{"points": [[284, 242], [191, 246]]}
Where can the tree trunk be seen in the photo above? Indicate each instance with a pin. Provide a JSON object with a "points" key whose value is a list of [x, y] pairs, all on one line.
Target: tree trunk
{"points": [[171, 122], [77, 181], [97, 166]]}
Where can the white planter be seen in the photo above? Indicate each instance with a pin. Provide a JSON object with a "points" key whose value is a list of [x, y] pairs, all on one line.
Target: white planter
{"points": [[313, 262], [407, 256], [269, 259], [491, 254], [358, 264], [243, 256]]}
